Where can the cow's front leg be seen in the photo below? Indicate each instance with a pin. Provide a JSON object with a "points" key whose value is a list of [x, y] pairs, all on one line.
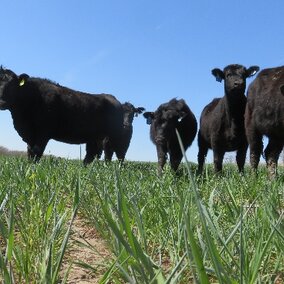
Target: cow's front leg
{"points": [[92, 150], [35, 150], [218, 156], [109, 150], [162, 157], [241, 157], [175, 160]]}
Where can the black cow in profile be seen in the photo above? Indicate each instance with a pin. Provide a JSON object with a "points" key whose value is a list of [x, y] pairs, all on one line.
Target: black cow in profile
{"points": [[222, 121], [265, 116], [129, 111], [169, 117], [42, 110]]}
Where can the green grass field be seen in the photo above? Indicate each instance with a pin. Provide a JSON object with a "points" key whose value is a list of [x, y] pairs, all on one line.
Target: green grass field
{"points": [[169, 229]]}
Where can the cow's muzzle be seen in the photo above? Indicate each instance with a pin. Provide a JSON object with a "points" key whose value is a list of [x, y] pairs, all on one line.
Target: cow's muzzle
{"points": [[160, 140], [3, 105]]}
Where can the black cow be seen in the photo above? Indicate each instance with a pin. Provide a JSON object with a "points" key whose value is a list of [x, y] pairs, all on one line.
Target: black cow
{"points": [[265, 116], [129, 111], [169, 117], [42, 110], [222, 121]]}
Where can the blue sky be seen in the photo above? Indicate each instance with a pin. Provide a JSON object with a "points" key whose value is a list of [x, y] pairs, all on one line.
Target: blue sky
{"points": [[142, 51]]}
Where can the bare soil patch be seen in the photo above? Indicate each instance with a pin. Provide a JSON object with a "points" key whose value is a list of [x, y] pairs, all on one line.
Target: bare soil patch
{"points": [[95, 253]]}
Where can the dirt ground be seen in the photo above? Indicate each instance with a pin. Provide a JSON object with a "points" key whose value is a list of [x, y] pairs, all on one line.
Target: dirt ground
{"points": [[96, 254]]}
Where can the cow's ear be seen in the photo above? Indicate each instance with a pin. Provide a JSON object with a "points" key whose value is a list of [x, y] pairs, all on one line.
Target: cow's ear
{"points": [[149, 116], [182, 115], [282, 89], [252, 71], [22, 79], [218, 74], [139, 110]]}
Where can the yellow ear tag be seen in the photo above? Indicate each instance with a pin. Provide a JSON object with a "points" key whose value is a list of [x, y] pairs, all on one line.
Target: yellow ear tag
{"points": [[22, 82]]}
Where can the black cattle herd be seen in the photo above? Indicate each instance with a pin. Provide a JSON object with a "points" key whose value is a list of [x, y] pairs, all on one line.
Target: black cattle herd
{"points": [[42, 110]]}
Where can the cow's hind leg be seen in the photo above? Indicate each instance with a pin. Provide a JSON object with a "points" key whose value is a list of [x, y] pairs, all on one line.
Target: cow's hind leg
{"points": [[254, 140], [202, 153], [256, 148], [271, 154], [109, 154]]}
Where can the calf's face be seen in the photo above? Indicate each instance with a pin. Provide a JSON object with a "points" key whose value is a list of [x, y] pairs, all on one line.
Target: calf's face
{"points": [[234, 77], [129, 111], [6, 76], [128, 116], [164, 123], [9, 84]]}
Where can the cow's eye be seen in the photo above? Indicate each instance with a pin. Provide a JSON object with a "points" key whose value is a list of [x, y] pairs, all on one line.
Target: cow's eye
{"points": [[5, 77]]}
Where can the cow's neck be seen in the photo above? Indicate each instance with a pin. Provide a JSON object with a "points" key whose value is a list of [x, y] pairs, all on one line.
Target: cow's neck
{"points": [[21, 114], [235, 108]]}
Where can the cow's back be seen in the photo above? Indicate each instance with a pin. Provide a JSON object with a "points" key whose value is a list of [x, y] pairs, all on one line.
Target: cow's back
{"points": [[187, 128], [67, 115], [210, 117], [265, 102]]}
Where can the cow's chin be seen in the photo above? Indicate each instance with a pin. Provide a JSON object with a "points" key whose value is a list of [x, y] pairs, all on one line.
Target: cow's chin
{"points": [[3, 105], [238, 89]]}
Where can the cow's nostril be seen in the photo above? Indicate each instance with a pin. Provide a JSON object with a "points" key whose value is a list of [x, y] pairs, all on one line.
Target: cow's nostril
{"points": [[159, 140]]}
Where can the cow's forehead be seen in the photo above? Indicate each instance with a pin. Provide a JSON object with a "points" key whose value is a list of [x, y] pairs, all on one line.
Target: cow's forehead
{"points": [[2, 71], [234, 68], [127, 105], [164, 113], [8, 72]]}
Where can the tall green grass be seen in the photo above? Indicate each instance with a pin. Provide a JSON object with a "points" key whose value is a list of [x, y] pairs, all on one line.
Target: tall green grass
{"points": [[173, 229], [36, 206], [169, 229]]}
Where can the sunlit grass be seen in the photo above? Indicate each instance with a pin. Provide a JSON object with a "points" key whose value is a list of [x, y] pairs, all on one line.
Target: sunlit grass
{"points": [[38, 202], [169, 229]]}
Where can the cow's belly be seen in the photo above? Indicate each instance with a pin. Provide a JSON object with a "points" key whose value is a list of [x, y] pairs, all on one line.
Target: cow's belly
{"points": [[271, 128], [233, 143], [70, 140], [76, 135]]}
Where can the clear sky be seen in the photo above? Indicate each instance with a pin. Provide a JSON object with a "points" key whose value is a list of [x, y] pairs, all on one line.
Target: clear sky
{"points": [[142, 51]]}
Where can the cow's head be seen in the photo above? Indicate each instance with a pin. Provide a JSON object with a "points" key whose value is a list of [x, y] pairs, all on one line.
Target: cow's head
{"points": [[129, 111], [234, 77], [10, 85], [149, 117], [165, 120]]}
